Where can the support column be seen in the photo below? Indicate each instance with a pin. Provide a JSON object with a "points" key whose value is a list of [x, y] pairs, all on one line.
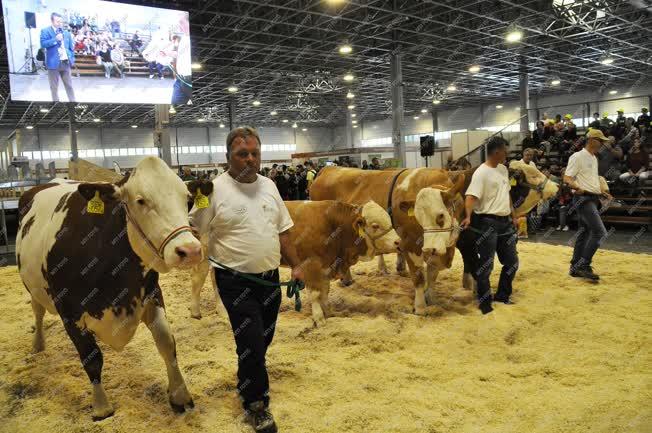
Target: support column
{"points": [[348, 139], [397, 105], [435, 127], [524, 96], [231, 113], [162, 132], [589, 115], [71, 130]]}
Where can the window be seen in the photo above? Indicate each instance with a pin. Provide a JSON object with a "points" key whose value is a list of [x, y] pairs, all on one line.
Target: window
{"points": [[28, 155], [37, 154], [192, 149], [46, 154], [131, 151], [83, 153], [140, 151], [207, 149], [184, 149], [123, 152]]}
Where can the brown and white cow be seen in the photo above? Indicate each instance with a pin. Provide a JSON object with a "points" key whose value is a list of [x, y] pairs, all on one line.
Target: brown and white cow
{"points": [[98, 268], [423, 203], [329, 237]]}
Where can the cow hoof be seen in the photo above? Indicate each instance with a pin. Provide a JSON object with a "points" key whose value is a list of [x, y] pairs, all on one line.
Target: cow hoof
{"points": [[103, 413], [181, 399], [177, 408], [38, 345], [430, 298], [319, 323], [420, 311], [403, 273], [195, 316], [344, 283]]}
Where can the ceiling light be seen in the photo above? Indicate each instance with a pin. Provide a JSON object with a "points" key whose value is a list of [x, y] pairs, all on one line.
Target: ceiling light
{"points": [[416, 117], [353, 115], [350, 107], [76, 131], [451, 88], [304, 129], [355, 126], [256, 103], [221, 125], [196, 66], [436, 102], [294, 125], [29, 127], [43, 110], [613, 92], [514, 36], [201, 120], [172, 110], [348, 77], [354, 122], [273, 113], [345, 49], [285, 121], [499, 107], [96, 120], [134, 126], [350, 95], [474, 69], [607, 60], [232, 89], [423, 110], [555, 82]]}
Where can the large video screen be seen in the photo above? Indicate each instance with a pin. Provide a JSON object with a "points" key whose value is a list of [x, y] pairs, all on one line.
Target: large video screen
{"points": [[97, 51]]}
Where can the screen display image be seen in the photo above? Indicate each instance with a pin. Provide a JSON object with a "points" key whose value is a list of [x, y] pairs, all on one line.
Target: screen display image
{"points": [[97, 52]]}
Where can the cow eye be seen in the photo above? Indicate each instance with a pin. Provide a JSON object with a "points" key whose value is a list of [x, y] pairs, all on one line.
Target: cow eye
{"points": [[140, 201]]}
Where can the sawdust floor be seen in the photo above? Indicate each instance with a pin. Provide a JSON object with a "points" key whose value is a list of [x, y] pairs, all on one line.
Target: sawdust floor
{"points": [[569, 357]]}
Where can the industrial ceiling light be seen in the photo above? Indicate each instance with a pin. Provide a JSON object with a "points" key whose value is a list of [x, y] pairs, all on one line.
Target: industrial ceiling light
{"points": [[514, 35], [348, 77], [499, 107], [285, 121], [416, 117], [436, 102], [355, 126], [555, 82], [353, 115], [221, 125], [44, 110], [345, 49], [29, 127], [134, 126], [355, 122], [294, 125], [451, 88], [273, 113], [613, 92], [350, 95], [304, 129], [172, 110], [201, 120], [256, 103], [232, 89], [350, 107], [474, 69], [607, 60], [96, 120], [423, 110], [196, 66]]}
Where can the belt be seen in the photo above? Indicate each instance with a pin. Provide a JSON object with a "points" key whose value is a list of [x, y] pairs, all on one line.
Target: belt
{"points": [[259, 275], [493, 217]]}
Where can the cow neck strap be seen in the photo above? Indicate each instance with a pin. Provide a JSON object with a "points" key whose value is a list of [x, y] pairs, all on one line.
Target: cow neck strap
{"points": [[389, 197], [157, 251]]}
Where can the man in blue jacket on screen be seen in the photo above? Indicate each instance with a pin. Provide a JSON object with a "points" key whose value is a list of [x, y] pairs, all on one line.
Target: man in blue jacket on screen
{"points": [[59, 56]]}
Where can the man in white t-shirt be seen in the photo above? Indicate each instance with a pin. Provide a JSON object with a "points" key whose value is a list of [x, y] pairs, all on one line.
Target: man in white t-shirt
{"points": [[182, 91], [582, 176], [247, 224], [490, 213]]}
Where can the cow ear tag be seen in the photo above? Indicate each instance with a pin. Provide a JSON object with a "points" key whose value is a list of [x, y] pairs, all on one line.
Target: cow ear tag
{"points": [[95, 205], [512, 181], [201, 201], [411, 211]]}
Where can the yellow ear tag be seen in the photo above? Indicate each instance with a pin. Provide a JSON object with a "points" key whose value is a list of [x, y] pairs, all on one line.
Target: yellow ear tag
{"points": [[512, 181], [411, 211], [360, 232], [201, 201], [95, 205]]}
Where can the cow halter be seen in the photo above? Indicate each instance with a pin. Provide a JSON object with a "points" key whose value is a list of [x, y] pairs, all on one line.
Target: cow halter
{"points": [[158, 252], [538, 188], [453, 229], [373, 239]]}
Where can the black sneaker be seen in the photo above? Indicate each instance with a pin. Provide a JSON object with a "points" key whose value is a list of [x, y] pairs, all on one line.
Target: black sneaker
{"points": [[261, 418], [584, 273], [595, 276]]}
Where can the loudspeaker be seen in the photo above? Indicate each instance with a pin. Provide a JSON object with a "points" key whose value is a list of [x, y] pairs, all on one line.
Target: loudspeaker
{"points": [[427, 145], [30, 20]]}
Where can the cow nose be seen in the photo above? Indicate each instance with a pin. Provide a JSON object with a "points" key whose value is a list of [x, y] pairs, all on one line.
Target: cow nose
{"points": [[397, 243], [188, 252]]}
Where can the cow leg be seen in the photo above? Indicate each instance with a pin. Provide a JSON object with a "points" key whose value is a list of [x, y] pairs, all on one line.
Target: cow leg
{"points": [[197, 277], [323, 298], [419, 282], [38, 342], [92, 361], [154, 318], [400, 265], [382, 267], [315, 300], [431, 279], [347, 280]]}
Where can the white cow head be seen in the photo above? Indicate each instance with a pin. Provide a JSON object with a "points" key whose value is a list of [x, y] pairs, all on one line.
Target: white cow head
{"points": [[379, 235], [536, 186], [156, 200]]}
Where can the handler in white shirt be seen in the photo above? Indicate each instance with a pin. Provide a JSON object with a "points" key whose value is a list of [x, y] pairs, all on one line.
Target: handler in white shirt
{"points": [[582, 176], [247, 223], [490, 213]]}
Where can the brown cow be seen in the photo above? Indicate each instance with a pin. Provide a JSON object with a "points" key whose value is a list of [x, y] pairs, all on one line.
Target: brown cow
{"points": [[329, 237], [423, 204]]}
